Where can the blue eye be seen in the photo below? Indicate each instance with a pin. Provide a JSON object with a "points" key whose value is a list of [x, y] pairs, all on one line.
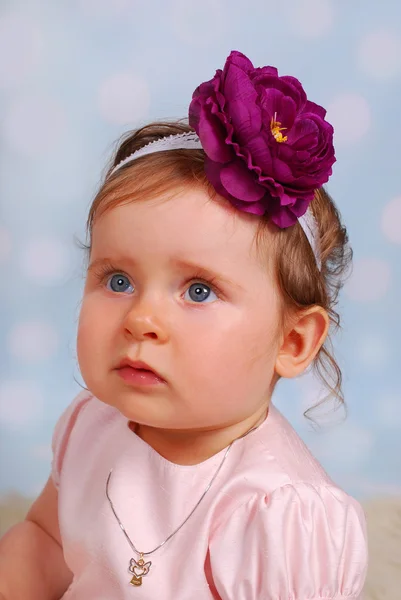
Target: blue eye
{"points": [[199, 292], [120, 283]]}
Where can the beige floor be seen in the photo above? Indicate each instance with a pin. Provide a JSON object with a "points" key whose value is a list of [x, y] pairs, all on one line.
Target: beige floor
{"points": [[384, 524]]}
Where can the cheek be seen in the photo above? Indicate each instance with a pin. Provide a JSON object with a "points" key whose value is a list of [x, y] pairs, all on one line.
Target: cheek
{"points": [[232, 347], [84, 335], [94, 327], [252, 355]]}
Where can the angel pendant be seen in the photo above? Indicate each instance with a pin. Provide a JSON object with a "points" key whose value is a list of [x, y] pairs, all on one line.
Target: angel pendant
{"points": [[139, 569]]}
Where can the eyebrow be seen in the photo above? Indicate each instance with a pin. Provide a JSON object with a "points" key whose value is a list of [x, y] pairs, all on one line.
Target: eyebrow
{"points": [[106, 261], [206, 273]]}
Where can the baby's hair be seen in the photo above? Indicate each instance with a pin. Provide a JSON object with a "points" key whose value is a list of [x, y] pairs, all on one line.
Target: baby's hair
{"points": [[302, 284], [150, 176], [300, 281]]}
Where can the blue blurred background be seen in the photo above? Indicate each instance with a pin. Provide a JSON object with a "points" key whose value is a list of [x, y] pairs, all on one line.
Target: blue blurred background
{"points": [[76, 74]]}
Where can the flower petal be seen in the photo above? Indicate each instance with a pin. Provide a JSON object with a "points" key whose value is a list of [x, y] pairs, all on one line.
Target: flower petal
{"points": [[283, 217], [212, 170], [212, 135], [240, 60], [246, 119], [240, 182], [318, 110], [269, 83], [270, 102], [296, 84], [237, 86], [261, 71], [260, 154], [282, 172], [304, 134], [254, 208]]}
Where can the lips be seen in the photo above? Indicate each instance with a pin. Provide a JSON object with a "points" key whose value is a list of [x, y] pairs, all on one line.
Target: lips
{"points": [[139, 367]]}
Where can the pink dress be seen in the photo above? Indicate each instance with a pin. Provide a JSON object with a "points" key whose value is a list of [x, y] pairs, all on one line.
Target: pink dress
{"points": [[273, 526]]}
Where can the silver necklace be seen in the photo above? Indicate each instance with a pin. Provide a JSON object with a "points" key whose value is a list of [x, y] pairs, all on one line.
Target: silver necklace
{"points": [[139, 568]]}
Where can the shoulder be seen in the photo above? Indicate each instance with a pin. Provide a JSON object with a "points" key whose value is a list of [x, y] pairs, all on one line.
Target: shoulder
{"points": [[289, 453], [83, 412], [300, 541], [270, 458]]}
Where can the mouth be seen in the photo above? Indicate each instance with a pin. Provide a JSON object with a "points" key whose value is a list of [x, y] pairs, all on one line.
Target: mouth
{"points": [[138, 373]]}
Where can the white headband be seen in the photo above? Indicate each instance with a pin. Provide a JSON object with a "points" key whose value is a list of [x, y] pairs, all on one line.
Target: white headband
{"points": [[190, 141]]}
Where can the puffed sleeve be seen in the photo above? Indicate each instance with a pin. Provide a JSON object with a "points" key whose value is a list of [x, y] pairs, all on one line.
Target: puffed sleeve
{"points": [[302, 542], [62, 432]]}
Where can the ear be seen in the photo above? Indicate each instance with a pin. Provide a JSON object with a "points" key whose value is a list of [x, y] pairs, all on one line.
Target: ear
{"points": [[302, 342]]}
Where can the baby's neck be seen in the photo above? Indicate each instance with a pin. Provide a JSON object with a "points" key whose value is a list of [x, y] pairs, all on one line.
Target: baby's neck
{"points": [[192, 447]]}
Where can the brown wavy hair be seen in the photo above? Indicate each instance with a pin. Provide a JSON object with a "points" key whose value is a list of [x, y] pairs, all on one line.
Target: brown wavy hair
{"points": [[301, 283]]}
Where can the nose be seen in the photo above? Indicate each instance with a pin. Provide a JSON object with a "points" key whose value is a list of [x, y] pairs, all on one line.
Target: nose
{"points": [[142, 322]]}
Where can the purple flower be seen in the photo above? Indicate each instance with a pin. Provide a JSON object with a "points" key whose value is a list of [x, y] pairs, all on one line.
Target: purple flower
{"points": [[267, 146]]}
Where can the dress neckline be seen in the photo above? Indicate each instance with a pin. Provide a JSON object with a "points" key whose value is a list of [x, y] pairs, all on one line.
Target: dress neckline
{"points": [[153, 454]]}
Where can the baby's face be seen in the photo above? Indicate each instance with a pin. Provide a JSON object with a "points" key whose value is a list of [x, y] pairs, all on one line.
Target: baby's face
{"points": [[179, 285]]}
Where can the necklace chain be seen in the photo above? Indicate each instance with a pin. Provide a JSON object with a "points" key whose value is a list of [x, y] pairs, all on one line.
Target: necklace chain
{"points": [[188, 516]]}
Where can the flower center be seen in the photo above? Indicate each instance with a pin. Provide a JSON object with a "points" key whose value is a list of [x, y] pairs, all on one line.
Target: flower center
{"points": [[276, 129]]}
